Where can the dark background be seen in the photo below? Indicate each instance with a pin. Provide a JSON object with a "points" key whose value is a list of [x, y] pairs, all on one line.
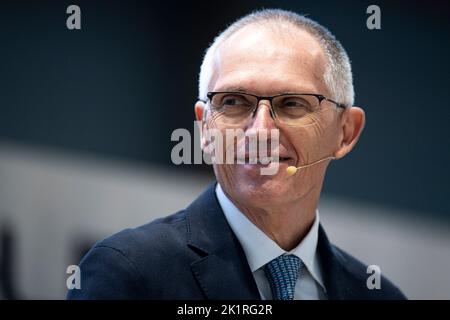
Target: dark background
{"points": [[118, 87]]}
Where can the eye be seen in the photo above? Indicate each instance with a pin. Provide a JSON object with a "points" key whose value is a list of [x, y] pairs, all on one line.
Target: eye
{"points": [[296, 103], [233, 101], [295, 106]]}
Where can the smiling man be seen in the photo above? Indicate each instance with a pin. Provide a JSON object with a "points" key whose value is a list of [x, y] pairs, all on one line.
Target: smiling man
{"points": [[253, 236]]}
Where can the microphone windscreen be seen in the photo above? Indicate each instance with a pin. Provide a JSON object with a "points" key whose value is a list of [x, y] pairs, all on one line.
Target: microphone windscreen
{"points": [[291, 170]]}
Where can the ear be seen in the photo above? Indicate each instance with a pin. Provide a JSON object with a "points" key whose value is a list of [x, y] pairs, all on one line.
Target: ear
{"points": [[352, 123], [199, 110]]}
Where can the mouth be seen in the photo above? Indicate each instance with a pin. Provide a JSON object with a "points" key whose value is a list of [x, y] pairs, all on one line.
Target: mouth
{"points": [[264, 160]]}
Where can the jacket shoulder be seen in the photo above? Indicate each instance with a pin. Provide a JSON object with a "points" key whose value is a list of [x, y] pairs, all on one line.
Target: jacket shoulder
{"points": [[126, 265], [160, 234]]}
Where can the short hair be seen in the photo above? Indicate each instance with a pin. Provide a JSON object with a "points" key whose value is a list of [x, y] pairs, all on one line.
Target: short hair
{"points": [[338, 75]]}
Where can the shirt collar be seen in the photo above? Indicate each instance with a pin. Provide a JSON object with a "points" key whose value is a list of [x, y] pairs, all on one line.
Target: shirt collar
{"points": [[260, 249]]}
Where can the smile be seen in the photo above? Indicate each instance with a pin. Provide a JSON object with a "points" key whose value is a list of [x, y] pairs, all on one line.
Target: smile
{"points": [[261, 160]]}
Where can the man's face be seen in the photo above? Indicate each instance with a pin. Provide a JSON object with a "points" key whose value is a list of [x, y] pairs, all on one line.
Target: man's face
{"points": [[267, 62]]}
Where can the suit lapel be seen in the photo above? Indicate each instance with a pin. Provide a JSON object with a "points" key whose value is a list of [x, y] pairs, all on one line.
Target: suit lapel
{"points": [[339, 282], [221, 270]]}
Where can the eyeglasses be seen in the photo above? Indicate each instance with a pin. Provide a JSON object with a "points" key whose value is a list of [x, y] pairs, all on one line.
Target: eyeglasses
{"points": [[292, 109]]}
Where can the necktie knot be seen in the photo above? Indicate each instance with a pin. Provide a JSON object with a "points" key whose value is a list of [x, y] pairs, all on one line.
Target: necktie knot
{"points": [[282, 273]]}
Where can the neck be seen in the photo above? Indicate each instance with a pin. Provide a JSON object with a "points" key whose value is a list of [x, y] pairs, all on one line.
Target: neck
{"points": [[288, 224]]}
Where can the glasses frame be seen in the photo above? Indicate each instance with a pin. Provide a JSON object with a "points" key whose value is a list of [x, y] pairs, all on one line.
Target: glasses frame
{"points": [[319, 97]]}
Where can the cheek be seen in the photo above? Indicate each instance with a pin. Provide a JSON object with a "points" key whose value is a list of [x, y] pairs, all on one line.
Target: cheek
{"points": [[321, 122], [305, 141], [330, 133], [316, 140]]}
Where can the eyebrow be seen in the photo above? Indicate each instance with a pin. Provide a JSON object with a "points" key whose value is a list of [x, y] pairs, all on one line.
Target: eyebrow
{"points": [[244, 90], [233, 89]]}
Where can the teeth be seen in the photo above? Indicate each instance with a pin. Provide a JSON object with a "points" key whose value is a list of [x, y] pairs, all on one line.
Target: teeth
{"points": [[262, 160]]}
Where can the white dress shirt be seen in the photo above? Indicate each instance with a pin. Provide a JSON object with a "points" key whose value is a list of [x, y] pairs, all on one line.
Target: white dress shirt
{"points": [[260, 249]]}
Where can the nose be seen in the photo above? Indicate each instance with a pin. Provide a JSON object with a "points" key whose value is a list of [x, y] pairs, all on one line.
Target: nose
{"points": [[263, 118], [261, 127]]}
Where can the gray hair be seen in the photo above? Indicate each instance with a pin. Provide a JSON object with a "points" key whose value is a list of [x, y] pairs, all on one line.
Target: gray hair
{"points": [[338, 75]]}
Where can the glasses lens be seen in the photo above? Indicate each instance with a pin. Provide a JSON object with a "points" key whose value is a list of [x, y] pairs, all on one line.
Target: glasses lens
{"points": [[231, 108], [234, 109], [296, 110]]}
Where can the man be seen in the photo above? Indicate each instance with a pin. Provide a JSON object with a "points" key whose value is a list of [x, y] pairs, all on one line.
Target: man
{"points": [[253, 236]]}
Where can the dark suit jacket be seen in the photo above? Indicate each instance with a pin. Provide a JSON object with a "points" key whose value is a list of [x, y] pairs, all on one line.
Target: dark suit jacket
{"points": [[194, 254]]}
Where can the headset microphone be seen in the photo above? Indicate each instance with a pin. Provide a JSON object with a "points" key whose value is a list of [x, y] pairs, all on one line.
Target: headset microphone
{"points": [[291, 170]]}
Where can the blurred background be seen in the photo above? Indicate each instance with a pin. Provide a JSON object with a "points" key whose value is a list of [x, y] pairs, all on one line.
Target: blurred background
{"points": [[86, 118]]}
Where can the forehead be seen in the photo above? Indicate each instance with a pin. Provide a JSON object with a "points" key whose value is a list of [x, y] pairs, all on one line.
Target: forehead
{"points": [[267, 61]]}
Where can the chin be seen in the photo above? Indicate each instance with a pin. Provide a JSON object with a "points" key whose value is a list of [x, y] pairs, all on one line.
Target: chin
{"points": [[246, 185], [261, 192]]}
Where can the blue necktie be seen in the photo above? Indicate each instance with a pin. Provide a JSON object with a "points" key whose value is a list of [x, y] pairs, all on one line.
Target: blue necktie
{"points": [[282, 273]]}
